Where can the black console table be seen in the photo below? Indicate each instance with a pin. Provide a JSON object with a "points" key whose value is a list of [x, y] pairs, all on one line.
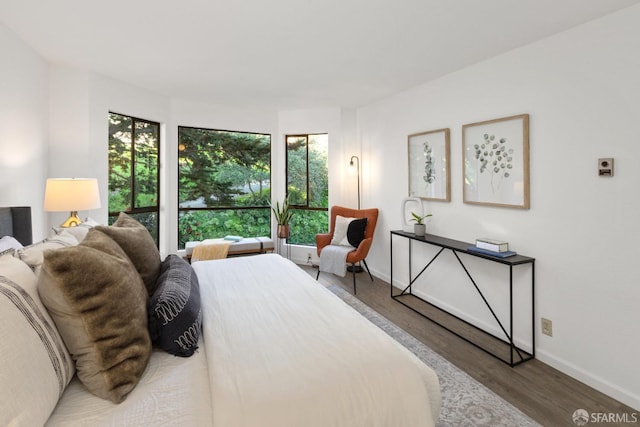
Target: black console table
{"points": [[408, 299]]}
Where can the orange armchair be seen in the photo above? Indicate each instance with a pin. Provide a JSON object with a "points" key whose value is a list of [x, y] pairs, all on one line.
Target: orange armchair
{"points": [[359, 253]]}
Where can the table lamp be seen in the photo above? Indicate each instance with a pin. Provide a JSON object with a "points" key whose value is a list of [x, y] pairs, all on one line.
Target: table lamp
{"points": [[73, 195]]}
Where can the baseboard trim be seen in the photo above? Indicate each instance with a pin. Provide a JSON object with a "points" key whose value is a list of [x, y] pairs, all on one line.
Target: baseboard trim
{"points": [[625, 396]]}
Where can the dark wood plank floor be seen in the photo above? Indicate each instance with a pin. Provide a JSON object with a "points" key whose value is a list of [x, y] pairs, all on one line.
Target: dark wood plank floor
{"points": [[540, 391]]}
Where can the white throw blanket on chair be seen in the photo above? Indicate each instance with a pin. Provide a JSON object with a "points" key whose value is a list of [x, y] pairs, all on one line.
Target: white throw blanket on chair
{"points": [[333, 259]]}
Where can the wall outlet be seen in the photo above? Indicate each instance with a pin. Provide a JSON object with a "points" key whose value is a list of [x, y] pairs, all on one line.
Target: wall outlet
{"points": [[547, 327]]}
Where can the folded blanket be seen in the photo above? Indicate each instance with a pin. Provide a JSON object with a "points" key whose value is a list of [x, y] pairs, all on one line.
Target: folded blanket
{"points": [[211, 249], [333, 259]]}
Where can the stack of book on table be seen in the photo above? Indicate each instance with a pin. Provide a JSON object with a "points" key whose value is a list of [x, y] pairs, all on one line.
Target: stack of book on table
{"points": [[492, 247]]}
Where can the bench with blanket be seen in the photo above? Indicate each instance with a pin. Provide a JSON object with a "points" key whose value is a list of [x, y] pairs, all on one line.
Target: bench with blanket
{"points": [[221, 248]]}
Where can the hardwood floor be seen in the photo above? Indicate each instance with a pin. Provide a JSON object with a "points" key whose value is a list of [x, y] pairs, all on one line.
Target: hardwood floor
{"points": [[540, 391]]}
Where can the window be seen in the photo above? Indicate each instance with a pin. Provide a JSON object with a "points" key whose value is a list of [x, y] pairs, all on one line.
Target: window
{"points": [[308, 186], [224, 184], [134, 165]]}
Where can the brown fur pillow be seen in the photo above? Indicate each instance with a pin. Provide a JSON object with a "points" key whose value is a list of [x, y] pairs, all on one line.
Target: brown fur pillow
{"points": [[98, 301], [139, 246]]}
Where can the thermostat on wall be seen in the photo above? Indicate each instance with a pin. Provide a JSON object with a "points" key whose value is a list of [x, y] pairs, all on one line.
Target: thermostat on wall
{"points": [[605, 166]]}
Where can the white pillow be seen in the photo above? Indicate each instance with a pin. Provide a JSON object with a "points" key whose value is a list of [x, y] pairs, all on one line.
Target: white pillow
{"points": [[340, 231], [35, 365], [8, 242], [33, 254], [79, 231]]}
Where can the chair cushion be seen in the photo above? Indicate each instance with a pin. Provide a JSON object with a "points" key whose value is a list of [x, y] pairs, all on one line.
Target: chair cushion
{"points": [[355, 231], [340, 231], [348, 231]]}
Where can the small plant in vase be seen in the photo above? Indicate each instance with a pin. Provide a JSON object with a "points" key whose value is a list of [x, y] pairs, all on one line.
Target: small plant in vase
{"points": [[283, 217], [419, 228]]}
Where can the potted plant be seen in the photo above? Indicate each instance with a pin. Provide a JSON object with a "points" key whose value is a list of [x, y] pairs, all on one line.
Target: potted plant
{"points": [[283, 217], [419, 228]]}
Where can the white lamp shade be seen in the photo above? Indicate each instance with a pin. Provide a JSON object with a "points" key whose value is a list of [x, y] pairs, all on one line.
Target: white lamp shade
{"points": [[71, 194]]}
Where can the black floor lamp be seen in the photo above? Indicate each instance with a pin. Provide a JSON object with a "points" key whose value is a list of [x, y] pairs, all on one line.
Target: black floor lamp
{"points": [[356, 165]]}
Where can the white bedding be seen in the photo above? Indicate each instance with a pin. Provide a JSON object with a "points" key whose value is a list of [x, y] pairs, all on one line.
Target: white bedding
{"points": [[278, 349], [284, 351], [174, 391]]}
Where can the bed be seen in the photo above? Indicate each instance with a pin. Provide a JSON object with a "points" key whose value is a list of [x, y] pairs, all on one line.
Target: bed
{"points": [[276, 349]]}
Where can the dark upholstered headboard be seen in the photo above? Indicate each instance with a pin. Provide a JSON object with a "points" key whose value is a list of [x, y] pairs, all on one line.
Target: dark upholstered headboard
{"points": [[16, 222]]}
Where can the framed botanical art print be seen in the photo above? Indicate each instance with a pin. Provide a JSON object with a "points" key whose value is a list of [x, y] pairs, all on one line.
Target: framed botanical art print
{"points": [[429, 170], [496, 162]]}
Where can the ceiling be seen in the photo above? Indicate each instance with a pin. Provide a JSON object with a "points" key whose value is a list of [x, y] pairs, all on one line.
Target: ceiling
{"points": [[286, 54]]}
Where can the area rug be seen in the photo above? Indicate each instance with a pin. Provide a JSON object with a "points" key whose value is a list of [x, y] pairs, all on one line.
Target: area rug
{"points": [[465, 402]]}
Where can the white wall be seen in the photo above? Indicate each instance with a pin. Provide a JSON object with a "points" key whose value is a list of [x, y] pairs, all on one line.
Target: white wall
{"points": [[23, 127], [581, 89]]}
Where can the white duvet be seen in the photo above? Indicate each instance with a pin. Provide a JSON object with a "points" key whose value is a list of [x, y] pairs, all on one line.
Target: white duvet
{"points": [[282, 350], [278, 350], [174, 391]]}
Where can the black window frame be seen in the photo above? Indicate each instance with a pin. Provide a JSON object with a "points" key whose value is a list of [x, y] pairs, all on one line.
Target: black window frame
{"points": [[297, 206], [133, 210], [222, 208]]}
